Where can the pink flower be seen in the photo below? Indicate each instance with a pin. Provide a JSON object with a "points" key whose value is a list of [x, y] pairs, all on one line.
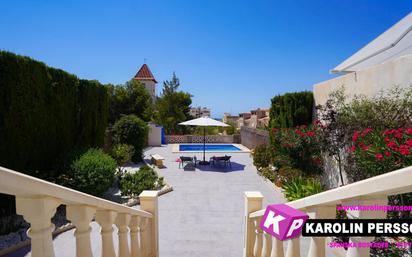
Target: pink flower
{"points": [[378, 156], [353, 148], [404, 150], [310, 134], [366, 131], [365, 147], [409, 142], [387, 139], [355, 136], [387, 153], [409, 131], [389, 131], [392, 145], [399, 135]]}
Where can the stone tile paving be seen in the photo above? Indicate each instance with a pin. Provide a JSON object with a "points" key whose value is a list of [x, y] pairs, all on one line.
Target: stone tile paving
{"points": [[203, 216]]}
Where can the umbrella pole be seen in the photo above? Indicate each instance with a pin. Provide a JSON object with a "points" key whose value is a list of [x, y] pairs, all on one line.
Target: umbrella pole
{"points": [[204, 144], [204, 162]]}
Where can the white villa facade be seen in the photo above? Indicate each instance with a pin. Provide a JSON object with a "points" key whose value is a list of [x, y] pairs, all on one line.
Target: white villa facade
{"points": [[383, 63], [380, 65]]}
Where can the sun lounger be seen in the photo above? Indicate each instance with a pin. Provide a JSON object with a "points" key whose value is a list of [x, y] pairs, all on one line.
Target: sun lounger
{"points": [[221, 159], [188, 160], [157, 160]]}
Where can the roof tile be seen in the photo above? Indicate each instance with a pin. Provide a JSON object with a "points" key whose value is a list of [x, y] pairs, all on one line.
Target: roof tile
{"points": [[144, 73]]}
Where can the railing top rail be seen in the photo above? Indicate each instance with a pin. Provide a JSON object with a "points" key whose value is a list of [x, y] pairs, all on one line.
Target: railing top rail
{"points": [[395, 182], [19, 184]]}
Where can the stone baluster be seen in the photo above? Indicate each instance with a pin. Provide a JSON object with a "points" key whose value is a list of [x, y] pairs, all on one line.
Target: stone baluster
{"points": [[106, 219], [293, 247], [257, 250], [81, 216], [149, 203], [267, 245], [38, 212], [364, 251], [317, 244], [144, 237], [253, 202], [134, 236], [122, 223], [277, 248]]}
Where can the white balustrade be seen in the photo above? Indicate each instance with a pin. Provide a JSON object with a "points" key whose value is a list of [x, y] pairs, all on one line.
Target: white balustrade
{"points": [[293, 249], [81, 216], [253, 202], [267, 245], [134, 236], [38, 211], [317, 244], [37, 200], [257, 250], [122, 223], [372, 191], [277, 248]]}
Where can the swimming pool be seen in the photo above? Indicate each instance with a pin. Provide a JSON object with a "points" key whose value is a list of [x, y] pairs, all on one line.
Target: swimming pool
{"points": [[208, 148]]}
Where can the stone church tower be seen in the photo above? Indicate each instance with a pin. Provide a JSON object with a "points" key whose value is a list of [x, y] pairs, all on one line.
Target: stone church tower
{"points": [[145, 76]]}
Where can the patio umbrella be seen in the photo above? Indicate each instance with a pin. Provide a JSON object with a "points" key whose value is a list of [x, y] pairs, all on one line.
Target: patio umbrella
{"points": [[204, 122]]}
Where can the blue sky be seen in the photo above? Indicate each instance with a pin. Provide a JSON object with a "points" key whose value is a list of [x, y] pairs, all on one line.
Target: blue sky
{"points": [[232, 56]]}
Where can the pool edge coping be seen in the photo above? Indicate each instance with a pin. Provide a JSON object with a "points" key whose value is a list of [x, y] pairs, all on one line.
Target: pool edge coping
{"points": [[243, 149]]}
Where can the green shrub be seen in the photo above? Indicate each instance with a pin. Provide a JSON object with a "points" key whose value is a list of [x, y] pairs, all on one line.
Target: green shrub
{"points": [[291, 109], [285, 174], [268, 173], [92, 173], [132, 131], [45, 113], [342, 117], [299, 146], [300, 187], [122, 153], [262, 156], [144, 179], [376, 152]]}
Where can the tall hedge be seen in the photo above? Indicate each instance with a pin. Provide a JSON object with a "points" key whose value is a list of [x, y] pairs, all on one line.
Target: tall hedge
{"points": [[291, 109], [45, 113]]}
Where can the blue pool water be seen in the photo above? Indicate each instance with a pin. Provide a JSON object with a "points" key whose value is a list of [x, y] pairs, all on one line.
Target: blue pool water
{"points": [[209, 147]]}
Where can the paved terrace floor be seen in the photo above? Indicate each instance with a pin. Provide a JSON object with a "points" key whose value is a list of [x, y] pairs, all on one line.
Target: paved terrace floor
{"points": [[202, 216]]}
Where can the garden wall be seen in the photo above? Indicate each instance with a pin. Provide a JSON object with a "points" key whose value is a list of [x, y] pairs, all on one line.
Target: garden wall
{"points": [[251, 137], [173, 139]]}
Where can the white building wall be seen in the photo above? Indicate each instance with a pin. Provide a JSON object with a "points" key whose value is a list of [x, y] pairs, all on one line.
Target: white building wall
{"points": [[155, 135], [370, 81]]}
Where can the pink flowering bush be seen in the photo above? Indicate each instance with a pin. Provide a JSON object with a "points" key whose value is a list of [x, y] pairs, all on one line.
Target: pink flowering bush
{"points": [[300, 146], [377, 151]]}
